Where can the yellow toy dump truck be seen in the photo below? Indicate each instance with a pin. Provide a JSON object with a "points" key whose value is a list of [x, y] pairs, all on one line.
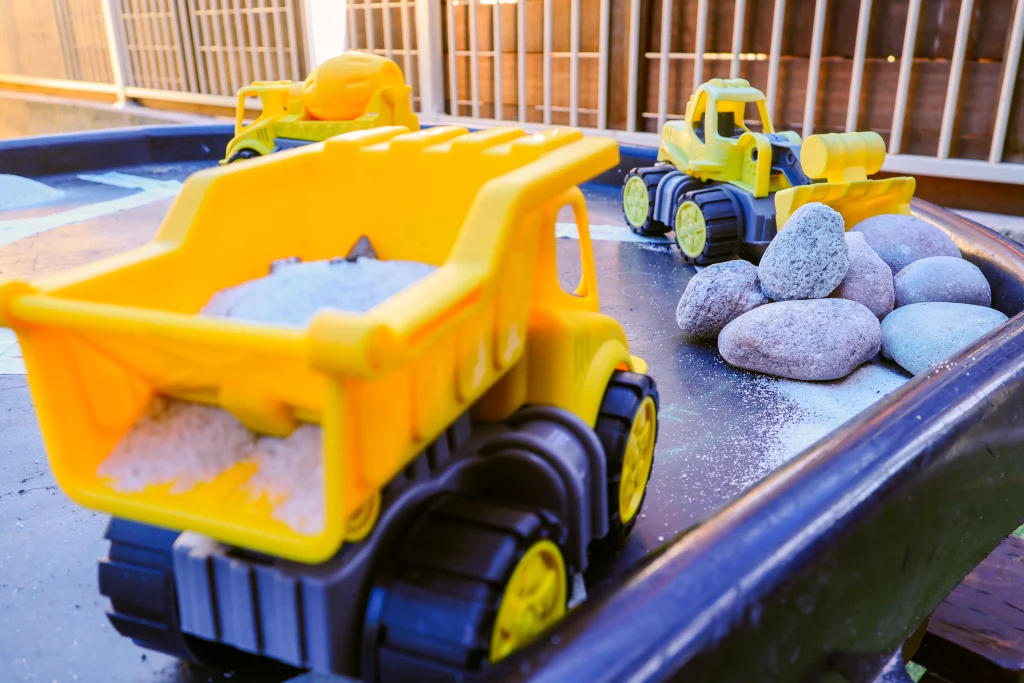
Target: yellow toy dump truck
{"points": [[725, 190], [353, 91], [483, 430]]}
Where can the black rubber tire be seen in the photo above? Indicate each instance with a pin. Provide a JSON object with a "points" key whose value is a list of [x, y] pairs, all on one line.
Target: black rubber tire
{"points": [[651, 176], [138, 577], [242, 154], [430, 616], [723, 220], [622, 399]]}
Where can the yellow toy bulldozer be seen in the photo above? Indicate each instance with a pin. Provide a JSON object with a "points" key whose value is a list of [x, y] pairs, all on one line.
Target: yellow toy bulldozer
{"points": [[483, 430], [725, 189], [353, 91]]}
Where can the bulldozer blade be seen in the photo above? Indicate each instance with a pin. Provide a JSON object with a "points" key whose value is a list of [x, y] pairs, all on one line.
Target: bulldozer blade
{"points": [[855, 200]]}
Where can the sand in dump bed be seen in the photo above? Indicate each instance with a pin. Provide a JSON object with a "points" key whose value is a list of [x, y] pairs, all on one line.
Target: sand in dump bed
{"points": [[294, 292], [184, 444]]}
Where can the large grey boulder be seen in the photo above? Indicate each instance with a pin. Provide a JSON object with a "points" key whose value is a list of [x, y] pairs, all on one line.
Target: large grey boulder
{"points": [[808, 258], [900, 240], [918, 336], [868, 280], [942, 278], [819, 339], [717, 295]]}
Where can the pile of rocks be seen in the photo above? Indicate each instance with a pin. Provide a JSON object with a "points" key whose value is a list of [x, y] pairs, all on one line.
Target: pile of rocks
{"points": [[822, 301]]}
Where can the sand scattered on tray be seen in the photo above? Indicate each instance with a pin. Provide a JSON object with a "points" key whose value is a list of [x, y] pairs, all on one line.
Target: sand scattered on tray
{"points": [[185, 444], [821, 407], [294, 292]]}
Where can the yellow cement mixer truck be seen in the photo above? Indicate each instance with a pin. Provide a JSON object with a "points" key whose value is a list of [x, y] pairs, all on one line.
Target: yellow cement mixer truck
{"points": [[353, 91]]}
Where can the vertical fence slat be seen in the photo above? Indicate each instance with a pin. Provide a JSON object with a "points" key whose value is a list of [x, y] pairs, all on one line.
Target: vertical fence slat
{"points": [[903, 85], [293, 43], [224, 75], [474, 58], [141, 41], [737, 37], [453, 61], [430, 56], [265, 41], [602, 67], [350, 27], [521, 60], [499, 59], [547, 61], [574, 63], [995, 154], [956, 70], [185, 35], [632, 82], [371, 38], [158, 49], [279, 38], [664, 63], [701, 42], [859, 51], [775, 52], [115, 46], [407, 48], [243, 59], [229, 46], [385, 17], [194, 36], [174, 39], [252, 43], [166, 45], [817, 38], [65, 42]]}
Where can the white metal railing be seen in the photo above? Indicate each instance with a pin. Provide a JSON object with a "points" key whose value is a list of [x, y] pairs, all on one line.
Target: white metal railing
{"points": [[652, 75], [613, 67]]}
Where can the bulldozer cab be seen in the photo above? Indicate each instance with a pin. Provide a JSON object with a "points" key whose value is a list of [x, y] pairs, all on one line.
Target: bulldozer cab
{"points": [[725, 118]]}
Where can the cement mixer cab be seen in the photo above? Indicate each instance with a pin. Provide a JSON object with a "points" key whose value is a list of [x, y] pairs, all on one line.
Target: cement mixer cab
{"points": [[353, 91], [725, 190]]}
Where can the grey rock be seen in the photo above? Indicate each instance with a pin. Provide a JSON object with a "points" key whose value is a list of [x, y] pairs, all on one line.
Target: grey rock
{"points": [[868, 279], [918, 336], [717, 295], [820, 339], [900, 240], [942, 278], [808, 258]]}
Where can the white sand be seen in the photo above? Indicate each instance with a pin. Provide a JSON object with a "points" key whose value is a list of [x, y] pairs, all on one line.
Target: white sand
{"points": [[177, 443], [291, 474], [17, 192], [294, 292], [186, 444]]}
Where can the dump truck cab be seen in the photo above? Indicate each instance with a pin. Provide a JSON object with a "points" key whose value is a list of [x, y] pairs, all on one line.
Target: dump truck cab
{"points": [[353, 91], [725, 190], [483, 431]]}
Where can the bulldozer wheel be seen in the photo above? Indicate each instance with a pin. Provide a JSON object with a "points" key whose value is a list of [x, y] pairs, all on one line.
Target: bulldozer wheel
{"points": [[638, 195], [244, 153], [627, 425], [708, 225], [472, 583]]}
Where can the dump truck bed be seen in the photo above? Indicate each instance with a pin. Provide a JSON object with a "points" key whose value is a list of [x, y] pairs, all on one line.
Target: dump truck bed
{"points": [[840, 510], [101, 341]]}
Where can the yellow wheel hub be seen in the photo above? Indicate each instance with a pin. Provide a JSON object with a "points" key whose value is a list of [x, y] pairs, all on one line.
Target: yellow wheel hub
{"points": [[361, 523], [535, 598], [691, 230], [636, 202], [636, 465]]}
